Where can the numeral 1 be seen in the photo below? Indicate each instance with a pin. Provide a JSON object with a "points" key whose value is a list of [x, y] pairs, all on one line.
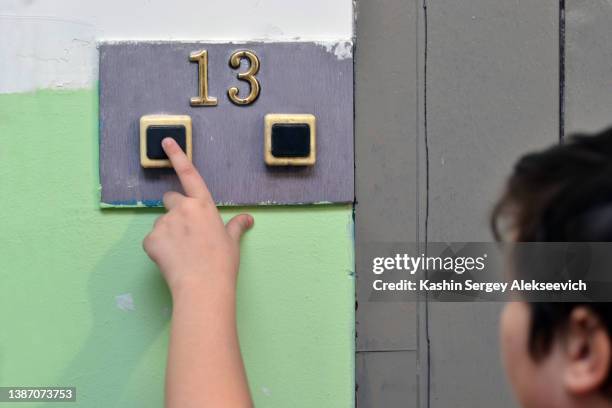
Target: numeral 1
{"points": [[201, 57]]}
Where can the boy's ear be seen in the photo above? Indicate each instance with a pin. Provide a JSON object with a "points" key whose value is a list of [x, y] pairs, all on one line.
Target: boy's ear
{"points": [[587, 352]]}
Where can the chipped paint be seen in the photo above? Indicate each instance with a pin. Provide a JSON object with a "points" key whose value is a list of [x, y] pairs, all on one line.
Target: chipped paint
{"points": [[59, 50], [329, 43], [125, 302], [160, 204], [341, 49]]}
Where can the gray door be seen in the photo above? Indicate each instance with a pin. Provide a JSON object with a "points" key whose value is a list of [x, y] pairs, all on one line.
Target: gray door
{"points": [[448, 95]]}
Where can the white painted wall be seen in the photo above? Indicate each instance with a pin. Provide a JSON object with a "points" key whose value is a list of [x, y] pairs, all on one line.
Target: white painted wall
{"points": [[51, 43]]}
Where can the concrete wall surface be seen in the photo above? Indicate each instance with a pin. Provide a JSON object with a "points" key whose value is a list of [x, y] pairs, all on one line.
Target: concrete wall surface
{"points": [[81, 304]]}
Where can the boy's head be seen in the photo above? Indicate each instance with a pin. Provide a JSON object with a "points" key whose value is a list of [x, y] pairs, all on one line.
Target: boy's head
{"points": [[559, 354]]}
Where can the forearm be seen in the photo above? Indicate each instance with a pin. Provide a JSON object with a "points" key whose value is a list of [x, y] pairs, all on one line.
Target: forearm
{"points": [[205, 367]]}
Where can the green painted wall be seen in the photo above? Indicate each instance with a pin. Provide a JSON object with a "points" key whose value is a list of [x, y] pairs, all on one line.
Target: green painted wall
{"points": [[63, 261]]}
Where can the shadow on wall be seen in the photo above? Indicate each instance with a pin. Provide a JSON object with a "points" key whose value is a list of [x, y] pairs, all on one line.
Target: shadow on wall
{"points": [[130, 309]]}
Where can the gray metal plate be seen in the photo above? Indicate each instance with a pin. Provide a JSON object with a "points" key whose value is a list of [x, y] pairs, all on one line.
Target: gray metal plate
{"points": [[152, 78]]}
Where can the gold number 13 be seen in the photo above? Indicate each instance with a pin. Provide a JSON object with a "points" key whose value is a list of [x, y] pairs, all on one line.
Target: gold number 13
{"points": [[203, 99]]}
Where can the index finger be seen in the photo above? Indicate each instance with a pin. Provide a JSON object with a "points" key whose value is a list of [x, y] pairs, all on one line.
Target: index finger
{"points": [[190, 178]]}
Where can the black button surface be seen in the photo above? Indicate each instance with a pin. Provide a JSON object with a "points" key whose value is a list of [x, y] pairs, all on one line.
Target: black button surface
{"points": [[290, 140], [157, 133]]}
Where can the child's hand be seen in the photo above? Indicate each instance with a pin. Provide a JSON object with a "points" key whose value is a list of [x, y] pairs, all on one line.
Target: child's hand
{"points": [[189, 243], [199, 257]]}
